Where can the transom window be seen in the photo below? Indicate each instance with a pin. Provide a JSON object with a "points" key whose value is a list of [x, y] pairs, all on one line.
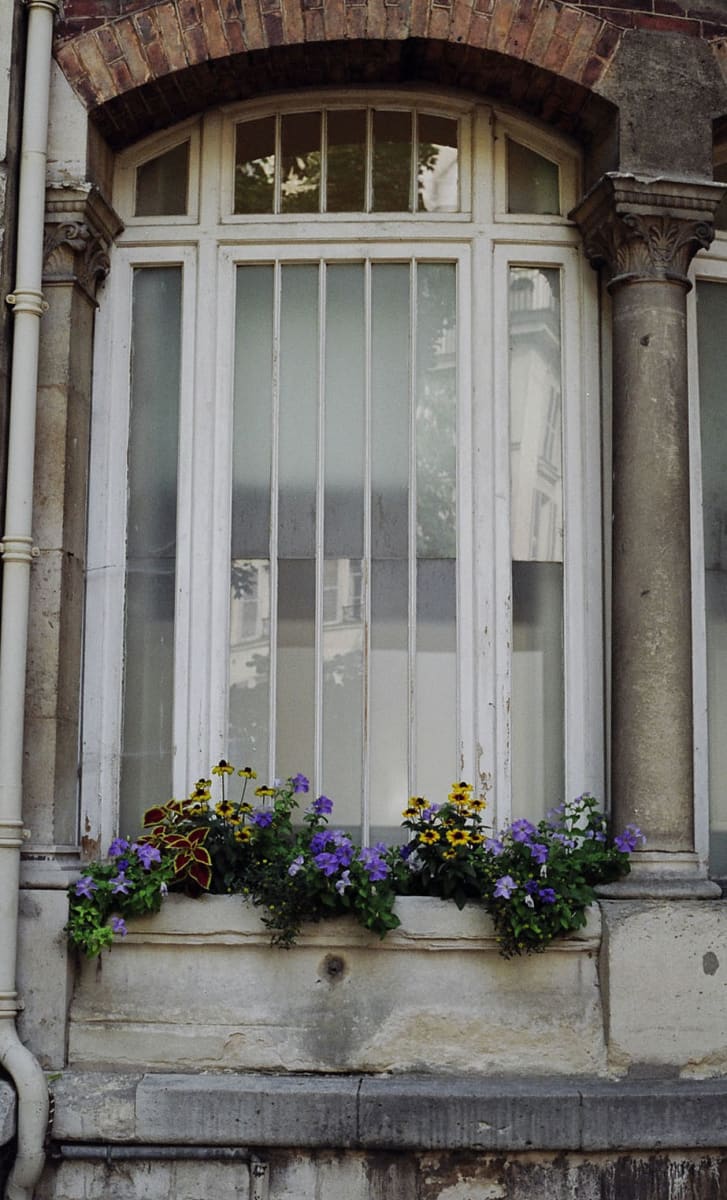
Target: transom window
{"points": [[345, 433]]}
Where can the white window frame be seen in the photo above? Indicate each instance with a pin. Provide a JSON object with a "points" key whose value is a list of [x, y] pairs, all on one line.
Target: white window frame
{"points": [[207, 243]]}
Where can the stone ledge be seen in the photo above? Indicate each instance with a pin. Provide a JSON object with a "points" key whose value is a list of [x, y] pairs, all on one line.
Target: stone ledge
{"points": [[407, 1112]]}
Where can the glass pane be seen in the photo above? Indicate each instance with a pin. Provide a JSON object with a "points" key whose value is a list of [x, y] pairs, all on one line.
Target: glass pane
{"points": [[249, 716], [437, 168], [436, 410], [298, 412], [345, 413], [720, 217], [392, 162], [147, 732], [301, 162], [712, 327], [538, 697], [253, 409], [389, 696], [346, 172], [295, 721], [343, 686], [533, 182], [436, 677], [536, 461], [390, 386], [255, 166], [162, 184]]}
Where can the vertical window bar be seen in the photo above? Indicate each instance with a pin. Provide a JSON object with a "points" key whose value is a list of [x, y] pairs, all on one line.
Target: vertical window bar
{"points": [[369, 193], [366, 572], [278, 177], [413, 196], [319, 546], [412, 540], [323, 195], [274, 476]]}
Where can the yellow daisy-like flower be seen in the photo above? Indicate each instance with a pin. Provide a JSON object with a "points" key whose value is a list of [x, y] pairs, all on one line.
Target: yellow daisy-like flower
{"points": [[410, 812], [478, 805], [247, 773], [458, 837], [225, 809], [264, 791], [243, 833], [449, 854], [418, 802], [459, 797], [195, 808], [476, 839], [200, 795], [245, 808], [223, 768], [429, 837]]}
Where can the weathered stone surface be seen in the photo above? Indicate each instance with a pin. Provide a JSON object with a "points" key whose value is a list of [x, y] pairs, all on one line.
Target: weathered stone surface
{"points": [[7, 1112]]}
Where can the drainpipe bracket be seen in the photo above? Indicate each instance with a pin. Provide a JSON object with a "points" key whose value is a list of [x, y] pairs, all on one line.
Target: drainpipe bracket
{"points": [[27, 300], [9, 1005], [18, 549]]}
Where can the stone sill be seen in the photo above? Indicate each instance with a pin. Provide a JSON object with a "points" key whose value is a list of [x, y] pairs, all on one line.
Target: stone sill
{"points": [[405, 1113]]}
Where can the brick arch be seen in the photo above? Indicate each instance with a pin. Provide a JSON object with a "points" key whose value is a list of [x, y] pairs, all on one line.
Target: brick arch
{"points": [[140, 66]]}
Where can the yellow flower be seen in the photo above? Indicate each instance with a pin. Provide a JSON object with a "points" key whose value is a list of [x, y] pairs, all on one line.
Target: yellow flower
{"points": [[429, 837], [478, 805], [245, 808], [223, 768], [417, 802], [264, 791], [458, 837], [459, 796], [247, 773], [449, 854], [476, 839], [224, 809], [243, 833], [410, 812]]}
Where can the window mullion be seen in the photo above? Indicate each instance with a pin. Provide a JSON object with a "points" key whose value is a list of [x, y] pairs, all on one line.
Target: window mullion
{"points": [[320, 532], [274, 480], [412, 539], [366, 565]]}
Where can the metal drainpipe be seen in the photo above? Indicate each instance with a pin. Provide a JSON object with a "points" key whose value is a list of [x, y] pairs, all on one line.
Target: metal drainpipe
{"points": [[17, 553]]}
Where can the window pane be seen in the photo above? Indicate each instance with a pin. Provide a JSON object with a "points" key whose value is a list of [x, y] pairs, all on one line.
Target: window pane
{"points": [[437, 168], [296, 711], [343, 686], [161, 184], [298, 412], [301, 162], [147, 734], [389, 691], [712, 326], [253, 413], [249, 713], [538, 699], [436, 407], [346, 172], [392, 162], [255, 166], [533, 182], [390, 404], [436, 677]]}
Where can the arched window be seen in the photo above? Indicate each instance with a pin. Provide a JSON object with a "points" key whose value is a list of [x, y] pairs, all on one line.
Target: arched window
{"points": [[345, 491]]}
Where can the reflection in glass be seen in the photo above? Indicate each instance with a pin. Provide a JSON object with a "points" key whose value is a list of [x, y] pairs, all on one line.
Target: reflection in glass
{"points": [[343, 687], [389, 699], [437, 167], [298, 426], [533, 182], [255, 166], [253, 424], [390, 419], [162, 184], [392, 161], [346, 170], [147, 731], [436, 675], [296, 674], [345, 411], [249, 720], [536, 472], [436, 409], [301, 162], [712, 329]]}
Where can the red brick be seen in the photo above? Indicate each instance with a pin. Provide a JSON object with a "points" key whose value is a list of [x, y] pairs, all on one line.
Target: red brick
{"points": [[95, 66], [267, 6], [502, 16], [189, 13], [580, 52], [108, 43], [439, 23], [355, 21], [273, 27], [461, 20], [521, 28], [542, 32], [195, 44], [376, 24], [607, 41], [252, 26], [86, 90], [69, 62], [592, 71], [419, 18], [479, 30], [569, 21], [665, 24], [133, 54], [171, 35], [335, 18], [123, 80], [313, 24], [397, 20], [556, 54], [152, 46], [216, 40]]}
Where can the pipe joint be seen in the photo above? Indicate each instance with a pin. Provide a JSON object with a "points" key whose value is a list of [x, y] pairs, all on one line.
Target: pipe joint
{"points": [[10, 1005], [27, 300], [51, 4], [12, 835], [18, 549]]}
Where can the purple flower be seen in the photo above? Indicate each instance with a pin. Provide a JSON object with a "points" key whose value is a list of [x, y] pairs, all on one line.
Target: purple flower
{"points": [[118, 924], [629, 839], [531, 886], [85, 886], [522, 830], [539, 852], [504, 887], [566, 842], [406, 851], [146, 854], [300, 783], [343, 882], [319, 841], [373, 863], [262, 817], [122, 864], [327, 863], [117, 847], [120, 885], [430, 812], [295, 866], [322, 806], [495, 846], [547, 895]]}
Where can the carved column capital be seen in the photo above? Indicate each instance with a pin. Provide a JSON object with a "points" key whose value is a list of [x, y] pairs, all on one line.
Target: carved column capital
{"points": [[80, 227], [647, 229]]}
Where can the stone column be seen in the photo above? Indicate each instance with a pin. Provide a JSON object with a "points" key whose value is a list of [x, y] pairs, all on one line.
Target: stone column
{"points": [[645, 233]]}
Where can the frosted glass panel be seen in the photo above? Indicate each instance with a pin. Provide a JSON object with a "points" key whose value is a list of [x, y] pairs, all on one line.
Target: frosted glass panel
{"points": [[301, 162], [298, 425], [436, 408], [389, 689], [255, 166], [533, 182], [346, 175], [249, 715], [392, 161], [437, 167], [343, 686], [345, 410], [162, 183], [436, 677], [390, 404], [538, 697], [295, 718], [253, 422], [147, 731], [712, 328], [536, 458]]}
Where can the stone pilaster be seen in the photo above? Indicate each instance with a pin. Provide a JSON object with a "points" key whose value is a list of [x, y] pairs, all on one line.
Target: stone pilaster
{"points": [[79, 230], [645, 233]]}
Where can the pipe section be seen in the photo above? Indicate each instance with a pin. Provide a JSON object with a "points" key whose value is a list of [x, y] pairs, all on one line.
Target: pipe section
{"points": [[17, 554]]}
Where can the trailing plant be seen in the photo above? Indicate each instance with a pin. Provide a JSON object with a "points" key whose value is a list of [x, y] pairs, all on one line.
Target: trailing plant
{"points": [[536, 881]]}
